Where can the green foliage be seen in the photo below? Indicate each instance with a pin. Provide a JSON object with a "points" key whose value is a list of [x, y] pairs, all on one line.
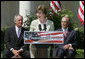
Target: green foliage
{"points": [[80, 38], [56, 17], [80, 53], [30, 18], [2, 38]]}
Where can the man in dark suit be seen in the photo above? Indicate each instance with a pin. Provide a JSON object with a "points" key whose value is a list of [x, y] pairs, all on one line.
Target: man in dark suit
{"points": [[70, 41], [14, 41]]}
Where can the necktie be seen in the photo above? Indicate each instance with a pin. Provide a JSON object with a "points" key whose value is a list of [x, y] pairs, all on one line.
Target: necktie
{"points": [[65, 33], [18, 32]]}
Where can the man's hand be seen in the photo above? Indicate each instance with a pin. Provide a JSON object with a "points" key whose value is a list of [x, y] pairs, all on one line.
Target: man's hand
{"points": [[71, 48], [66, 46], [16, 54], [19, 51]]}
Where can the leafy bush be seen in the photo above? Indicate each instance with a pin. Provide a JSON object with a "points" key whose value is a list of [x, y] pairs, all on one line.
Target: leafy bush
{"points": [[56, 17], [80, 38], [29, 20], [80, 53], [2, 38]]}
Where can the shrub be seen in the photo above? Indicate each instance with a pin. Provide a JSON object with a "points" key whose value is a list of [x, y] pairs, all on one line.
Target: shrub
{"points": [[80, 53], [30, 18], [80, 38], [2, 38], [56, 17]]}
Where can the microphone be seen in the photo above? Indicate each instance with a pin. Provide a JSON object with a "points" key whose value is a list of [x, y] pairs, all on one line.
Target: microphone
{"points": [[40, 27], [45, 27]]}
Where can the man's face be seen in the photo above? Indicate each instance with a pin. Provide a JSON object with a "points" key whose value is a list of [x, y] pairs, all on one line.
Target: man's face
{"points": [[64, 22], [18, 21]]}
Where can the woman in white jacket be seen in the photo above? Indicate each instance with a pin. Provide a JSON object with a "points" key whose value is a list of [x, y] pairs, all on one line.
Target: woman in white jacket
{"points": [[40, 24]]}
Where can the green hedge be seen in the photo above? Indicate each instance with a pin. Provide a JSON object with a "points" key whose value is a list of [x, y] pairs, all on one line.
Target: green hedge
{"points": [[80, 53], [2, 38]]}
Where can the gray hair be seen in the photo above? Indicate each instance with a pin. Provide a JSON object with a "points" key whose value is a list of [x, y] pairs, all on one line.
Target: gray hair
{"points": [[15, 17]]}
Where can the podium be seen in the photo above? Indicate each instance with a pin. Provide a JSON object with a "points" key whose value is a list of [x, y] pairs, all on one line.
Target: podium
{"points": [[40, 42]]}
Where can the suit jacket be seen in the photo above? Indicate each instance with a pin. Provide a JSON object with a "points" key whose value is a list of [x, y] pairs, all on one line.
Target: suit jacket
{"points": [[70, 38], [12, 41], [34, 27]]}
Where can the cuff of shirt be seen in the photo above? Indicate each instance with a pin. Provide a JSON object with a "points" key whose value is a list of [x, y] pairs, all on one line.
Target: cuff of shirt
{"points": [[21, 49], [11, 49], [70, 45]]}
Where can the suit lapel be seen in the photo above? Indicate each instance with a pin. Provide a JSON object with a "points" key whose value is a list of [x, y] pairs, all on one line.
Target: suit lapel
{"points": [[14, 31], [14, 34], [68, 32]]}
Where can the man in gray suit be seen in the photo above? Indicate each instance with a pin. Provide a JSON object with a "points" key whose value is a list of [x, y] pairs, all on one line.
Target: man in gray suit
{"points": [[14, 40], [70, 41]]}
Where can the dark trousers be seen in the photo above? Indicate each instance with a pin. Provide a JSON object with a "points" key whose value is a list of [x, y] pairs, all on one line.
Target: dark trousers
{"points": [[8, 54], [69, 53]]}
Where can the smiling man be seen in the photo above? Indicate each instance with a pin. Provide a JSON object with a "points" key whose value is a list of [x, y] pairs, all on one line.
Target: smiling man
{"points": [[70, 41], [14, 40]]}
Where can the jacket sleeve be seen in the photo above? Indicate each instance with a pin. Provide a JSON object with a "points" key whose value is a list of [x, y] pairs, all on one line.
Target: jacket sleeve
{"points": [[74, 44], [72, 39]]}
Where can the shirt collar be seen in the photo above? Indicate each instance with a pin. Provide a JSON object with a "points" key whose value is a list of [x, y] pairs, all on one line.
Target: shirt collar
{"points": [[43, 23], [17, 28], [64, 29]]}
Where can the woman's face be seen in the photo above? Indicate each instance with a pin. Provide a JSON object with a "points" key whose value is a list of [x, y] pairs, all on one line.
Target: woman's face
{"points": [[40, 14]]}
